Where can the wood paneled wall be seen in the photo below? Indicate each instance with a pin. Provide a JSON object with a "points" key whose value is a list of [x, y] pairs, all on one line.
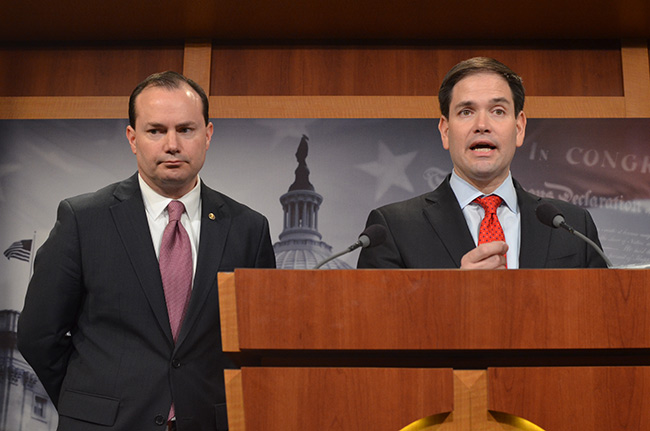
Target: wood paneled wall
{"points": [[579, 70], [563, 80], [83, 70]]}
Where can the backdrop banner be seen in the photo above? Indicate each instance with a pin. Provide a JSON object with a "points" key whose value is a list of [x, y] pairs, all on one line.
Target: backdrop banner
{"points": [[355, 164]]}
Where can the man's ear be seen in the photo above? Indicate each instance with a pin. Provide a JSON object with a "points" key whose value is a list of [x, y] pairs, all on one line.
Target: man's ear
{"points": [[521, 128], [443, 128], [209, 129], [130, 135]]}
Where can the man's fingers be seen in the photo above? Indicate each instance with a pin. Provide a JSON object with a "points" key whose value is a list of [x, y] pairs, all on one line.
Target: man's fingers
{"points": [[489, 255]]}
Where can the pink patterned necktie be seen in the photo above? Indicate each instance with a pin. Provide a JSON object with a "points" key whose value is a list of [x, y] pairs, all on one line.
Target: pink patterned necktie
{"points": [[490, 229], [175, 261]]}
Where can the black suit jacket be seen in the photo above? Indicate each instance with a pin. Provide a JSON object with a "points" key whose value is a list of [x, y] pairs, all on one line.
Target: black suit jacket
{"points": [[430, 231], [95, 326]]}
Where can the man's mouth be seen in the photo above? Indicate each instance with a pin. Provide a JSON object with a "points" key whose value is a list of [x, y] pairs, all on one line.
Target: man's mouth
{"points": [[482, 147], [172, 162]]}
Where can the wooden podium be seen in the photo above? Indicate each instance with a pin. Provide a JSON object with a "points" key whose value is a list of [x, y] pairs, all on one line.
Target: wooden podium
{"points": [[391, 350]]}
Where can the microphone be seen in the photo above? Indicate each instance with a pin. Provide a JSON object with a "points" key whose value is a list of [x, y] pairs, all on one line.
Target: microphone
{"points": [[373, 236], [551, 216]]}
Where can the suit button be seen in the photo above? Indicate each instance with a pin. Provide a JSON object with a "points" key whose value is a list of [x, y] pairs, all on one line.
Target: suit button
{"points": [[160, 420], [176, 363]]}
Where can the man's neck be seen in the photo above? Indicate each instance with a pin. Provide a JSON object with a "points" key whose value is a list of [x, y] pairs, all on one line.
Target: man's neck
{"points": [[485, 187], [169, 191]]}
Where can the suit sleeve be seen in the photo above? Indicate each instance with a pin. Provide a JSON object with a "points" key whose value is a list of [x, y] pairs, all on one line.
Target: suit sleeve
{"points": [[386, 255], [265, 255], [52, 304]]}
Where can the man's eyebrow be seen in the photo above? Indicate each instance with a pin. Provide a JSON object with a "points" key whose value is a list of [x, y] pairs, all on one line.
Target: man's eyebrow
{"points": [[186, 124], [501, 100], [464, 104], [494, 101], [155, 125]]}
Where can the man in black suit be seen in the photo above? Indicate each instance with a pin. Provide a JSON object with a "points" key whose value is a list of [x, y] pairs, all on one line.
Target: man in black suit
{"points": [[95, 325], [482, 124]]}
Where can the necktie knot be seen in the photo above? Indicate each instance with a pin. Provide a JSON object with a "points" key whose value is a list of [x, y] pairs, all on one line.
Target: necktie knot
{"points": [[175, 210], [490, 228], [489, 203]]}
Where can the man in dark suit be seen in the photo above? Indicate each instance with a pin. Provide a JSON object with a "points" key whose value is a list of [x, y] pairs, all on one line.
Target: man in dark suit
{"points": [[95, 326], [482, 124]]}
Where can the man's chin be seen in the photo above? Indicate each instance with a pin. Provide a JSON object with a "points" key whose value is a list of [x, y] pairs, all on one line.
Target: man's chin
{"points": [[178, 177]]}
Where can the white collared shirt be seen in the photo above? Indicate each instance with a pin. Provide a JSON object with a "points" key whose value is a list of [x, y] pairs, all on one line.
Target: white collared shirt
{"points": [[158, 218], [508, 213]]}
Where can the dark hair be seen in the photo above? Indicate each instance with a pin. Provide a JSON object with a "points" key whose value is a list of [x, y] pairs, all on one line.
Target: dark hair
{"points": [[171, 81], [480, 65]]}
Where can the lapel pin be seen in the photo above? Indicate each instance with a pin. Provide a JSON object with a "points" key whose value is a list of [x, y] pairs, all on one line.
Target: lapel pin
{"points": [[211, 216]]}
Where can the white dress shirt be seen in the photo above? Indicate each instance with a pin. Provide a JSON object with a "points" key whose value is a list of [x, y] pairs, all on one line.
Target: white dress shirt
{"points": [[508, 213], [158, 218]]}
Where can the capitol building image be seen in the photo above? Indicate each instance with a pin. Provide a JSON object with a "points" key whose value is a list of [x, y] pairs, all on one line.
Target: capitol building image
{"points": [[301, 245]]}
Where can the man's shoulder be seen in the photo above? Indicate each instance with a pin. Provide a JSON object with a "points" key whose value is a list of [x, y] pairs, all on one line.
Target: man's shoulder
{"points": [[234, 207], [406, 206], [417, 203], [104, 196]]}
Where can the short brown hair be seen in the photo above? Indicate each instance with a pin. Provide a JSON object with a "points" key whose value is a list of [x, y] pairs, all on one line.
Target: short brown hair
{"points": [[480, 65], [171, 81]]}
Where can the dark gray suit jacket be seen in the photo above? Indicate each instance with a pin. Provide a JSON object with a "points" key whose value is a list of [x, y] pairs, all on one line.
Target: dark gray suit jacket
{"points": [[97, 279], [430, 231]]}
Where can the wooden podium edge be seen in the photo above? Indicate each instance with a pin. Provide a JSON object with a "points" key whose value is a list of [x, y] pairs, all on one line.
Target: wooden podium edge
{"points": [[228, 312], [235, 400]]}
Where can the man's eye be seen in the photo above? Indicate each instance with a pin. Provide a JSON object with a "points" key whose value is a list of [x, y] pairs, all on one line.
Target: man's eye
{"points": [[185, 130], [153, 131], [465, 112]]}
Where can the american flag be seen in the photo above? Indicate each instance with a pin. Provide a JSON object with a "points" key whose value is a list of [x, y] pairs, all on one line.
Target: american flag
{"points": [[20, 250]]}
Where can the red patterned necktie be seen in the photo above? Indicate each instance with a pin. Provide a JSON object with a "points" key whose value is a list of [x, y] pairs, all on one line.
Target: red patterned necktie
{"points": [[490, 227], [175, 262]]}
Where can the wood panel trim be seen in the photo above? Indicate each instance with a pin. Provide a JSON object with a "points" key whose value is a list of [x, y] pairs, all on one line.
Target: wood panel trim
{"points": [[397, 107], [86, 107], [235, 397], [636, 78], [197, 60], [324, 107], [575, 107], [306, 107], [228, 312]]}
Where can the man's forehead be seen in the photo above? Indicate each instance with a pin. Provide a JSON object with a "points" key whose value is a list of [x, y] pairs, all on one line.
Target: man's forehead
{"points": [[477, 84], [169, 112], [162, 90]]}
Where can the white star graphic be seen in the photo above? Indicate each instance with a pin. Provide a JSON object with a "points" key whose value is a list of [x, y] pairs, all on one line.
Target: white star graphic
{"points": [[389, 170]]}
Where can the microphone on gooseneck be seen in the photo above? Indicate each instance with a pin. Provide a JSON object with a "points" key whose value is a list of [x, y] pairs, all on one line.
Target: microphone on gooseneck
{"points": [[373, 236], [551, 216]]}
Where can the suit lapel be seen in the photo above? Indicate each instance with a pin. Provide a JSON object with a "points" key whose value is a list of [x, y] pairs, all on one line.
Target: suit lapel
{"points": [[447, 219], [215, 225], [534, 239], [131, 222]]}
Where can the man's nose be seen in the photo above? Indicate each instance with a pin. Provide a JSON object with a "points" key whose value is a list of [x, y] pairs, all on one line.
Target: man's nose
{"points": [[171, 142], [482, 122]]}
